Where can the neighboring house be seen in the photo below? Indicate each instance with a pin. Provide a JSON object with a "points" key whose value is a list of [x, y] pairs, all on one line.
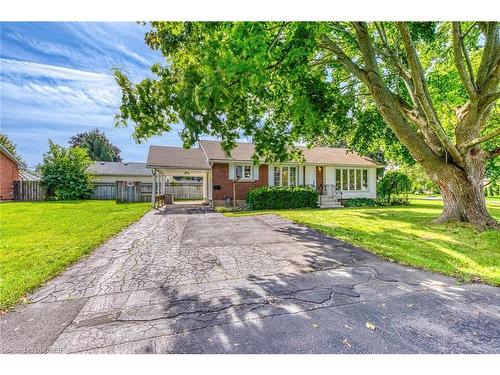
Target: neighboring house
{"points": [[110, 172], [27, 175], [9, 172], [334, 172]]}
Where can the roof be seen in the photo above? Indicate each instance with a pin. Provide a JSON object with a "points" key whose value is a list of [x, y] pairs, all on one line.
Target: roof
{"points": [[10, 155], [112, 168], [177, 157], [214, 151], [331, 155], [315, 155], [27, 175]]}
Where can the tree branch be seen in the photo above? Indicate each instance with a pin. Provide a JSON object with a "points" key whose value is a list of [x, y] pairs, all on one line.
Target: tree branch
{"points": [[422, 94], [494, 153], [460, 55], [491, 53], [482, 139], [329, 44]]}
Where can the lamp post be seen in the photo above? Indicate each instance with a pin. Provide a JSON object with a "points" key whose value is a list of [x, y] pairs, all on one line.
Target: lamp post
{"points": [[237, 178]]}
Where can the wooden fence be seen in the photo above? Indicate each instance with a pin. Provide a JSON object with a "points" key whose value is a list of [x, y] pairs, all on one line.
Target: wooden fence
{"points": [[128, 191], [109, 191], [29, 191], [185, 191], [104, 191]]}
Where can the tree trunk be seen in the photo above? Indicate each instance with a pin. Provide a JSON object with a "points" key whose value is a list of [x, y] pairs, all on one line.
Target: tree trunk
{"points": [[463, 197]]}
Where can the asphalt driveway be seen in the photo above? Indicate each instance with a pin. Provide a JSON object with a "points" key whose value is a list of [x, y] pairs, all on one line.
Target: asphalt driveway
{"points": [[192, 281]]}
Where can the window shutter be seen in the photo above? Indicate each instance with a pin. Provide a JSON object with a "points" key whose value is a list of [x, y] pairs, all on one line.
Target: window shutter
{"points": [[270, 175], [255, 172], [231, 171]]}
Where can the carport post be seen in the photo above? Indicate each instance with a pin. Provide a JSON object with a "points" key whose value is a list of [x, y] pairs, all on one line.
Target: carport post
{"points": [[153, 189]]}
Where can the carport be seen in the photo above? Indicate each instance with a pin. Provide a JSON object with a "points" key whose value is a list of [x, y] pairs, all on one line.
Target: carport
{"points": [[166, 162]]}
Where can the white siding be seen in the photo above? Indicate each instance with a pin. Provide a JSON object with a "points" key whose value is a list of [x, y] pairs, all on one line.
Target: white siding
{"points": [[301, 175], [270, 175], [255, 169], [110, 179], [310, 175]]}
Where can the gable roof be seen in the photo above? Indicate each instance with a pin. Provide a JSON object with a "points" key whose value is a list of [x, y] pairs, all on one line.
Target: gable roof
{"points": [[10, 156], [315, 155], [177, 157], [111, 168]]}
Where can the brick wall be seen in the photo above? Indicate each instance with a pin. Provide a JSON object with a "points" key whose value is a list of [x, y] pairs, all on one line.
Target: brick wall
{"points": [[220, 176], [9, 172]]}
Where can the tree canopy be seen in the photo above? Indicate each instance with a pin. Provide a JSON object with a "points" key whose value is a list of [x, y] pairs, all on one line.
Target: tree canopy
{"points": [[97, 144], [422, 92]]}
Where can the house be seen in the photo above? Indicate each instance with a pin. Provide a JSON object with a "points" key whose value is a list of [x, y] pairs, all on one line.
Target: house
{"points": [[111, 172], [336, 173], [9, 172]]}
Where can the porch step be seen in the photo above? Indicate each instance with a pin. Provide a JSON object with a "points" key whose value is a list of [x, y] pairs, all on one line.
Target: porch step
{"points": [[329, 202]]}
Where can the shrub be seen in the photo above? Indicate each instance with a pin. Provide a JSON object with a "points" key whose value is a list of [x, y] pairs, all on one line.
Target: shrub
{"points": [[282, 197], [64, 172], [361, 202], [392, 185]]}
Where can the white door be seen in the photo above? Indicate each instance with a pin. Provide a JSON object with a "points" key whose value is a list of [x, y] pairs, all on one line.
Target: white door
{"points": [[311, 176], [329, 180]]}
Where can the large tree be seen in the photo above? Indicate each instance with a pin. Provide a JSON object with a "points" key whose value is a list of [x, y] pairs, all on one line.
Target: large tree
{"points": [[423, 92], [97, 144]]}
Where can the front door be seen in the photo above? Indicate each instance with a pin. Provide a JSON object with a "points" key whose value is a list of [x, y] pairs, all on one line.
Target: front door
{"points": [[329, 181]]}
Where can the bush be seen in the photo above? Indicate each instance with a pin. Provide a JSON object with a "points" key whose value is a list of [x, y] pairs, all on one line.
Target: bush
{"points": [[64, 172], [392, 185], [361, 202], [282, 197]]}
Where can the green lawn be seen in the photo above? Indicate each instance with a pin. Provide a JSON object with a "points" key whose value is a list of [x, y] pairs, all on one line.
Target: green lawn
{"points": [[406, 235], [40, 239]]}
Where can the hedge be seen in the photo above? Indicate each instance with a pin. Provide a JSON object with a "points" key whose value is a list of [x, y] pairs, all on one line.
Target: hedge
{"points": [[282, 197]]}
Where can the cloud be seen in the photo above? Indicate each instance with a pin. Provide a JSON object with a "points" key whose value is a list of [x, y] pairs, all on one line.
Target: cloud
{"points": [[56, 80]]}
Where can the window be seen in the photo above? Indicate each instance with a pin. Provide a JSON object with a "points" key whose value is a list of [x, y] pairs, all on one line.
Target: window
{"points": [[293, 176], [338, 180], [358, 179], [285, 176], [364, 184], [243, 172], [247, 171], [277, 178], [351, 179], [238, 172]]}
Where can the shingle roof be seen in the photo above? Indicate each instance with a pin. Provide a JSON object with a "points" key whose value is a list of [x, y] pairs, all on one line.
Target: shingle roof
{"points": [[108, 168], [331, 155], [316, 155], [177, 157], [214, 151]]}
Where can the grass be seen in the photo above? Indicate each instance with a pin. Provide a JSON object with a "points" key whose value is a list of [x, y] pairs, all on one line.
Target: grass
{"points": [[406, 235], [40, 239]]}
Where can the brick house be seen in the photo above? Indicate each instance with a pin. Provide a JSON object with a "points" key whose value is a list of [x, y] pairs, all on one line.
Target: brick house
{"points": [[9, 172], [336, 173]]}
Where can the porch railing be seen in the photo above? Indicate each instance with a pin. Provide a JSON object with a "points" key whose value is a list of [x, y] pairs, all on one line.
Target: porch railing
{"points": [[330, 190]]}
